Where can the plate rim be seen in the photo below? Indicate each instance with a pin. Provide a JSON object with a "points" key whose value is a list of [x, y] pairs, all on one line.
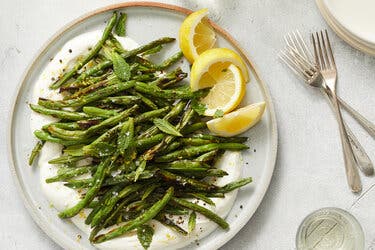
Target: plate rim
{"points": [[355, 34], [350, 38], [267, 175]]}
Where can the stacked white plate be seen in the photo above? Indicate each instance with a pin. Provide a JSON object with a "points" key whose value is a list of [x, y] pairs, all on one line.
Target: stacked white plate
{"points": [[352, 20]]}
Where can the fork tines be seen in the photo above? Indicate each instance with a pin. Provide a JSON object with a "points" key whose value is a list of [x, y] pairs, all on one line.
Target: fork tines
{"points": [[297, 56], [296, 43], [321, 45]]}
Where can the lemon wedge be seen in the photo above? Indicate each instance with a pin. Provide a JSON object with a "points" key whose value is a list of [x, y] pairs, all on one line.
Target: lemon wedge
{"points": [[207, 68], [238, 121], [196, 35], [227, 93]]}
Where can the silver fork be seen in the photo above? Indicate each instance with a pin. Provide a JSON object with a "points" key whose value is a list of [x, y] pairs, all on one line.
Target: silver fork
{"points": [[294, 41], [327, 66], [299, 58]]}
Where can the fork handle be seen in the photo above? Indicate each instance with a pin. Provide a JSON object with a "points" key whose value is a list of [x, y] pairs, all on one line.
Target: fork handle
{"points": [[351, 170], [366, 124], [363, 160]]}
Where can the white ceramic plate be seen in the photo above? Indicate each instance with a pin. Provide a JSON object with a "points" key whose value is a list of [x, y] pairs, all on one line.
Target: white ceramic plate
{"points": [[146, 22], [355, 29], [357, 17]]}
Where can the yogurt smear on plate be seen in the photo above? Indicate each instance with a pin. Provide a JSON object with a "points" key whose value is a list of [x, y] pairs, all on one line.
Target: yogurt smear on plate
{"points": [[62, 197]]}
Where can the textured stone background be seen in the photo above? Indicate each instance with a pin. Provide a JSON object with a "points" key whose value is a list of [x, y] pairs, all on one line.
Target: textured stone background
{"points": [[309, 173]]}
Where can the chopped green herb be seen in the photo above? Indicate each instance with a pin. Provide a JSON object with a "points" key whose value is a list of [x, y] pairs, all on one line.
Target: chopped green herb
{"points": [[218, 113]]}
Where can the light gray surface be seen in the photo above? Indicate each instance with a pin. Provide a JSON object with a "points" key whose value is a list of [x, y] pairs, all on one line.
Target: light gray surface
{"points": [[309, 173]]}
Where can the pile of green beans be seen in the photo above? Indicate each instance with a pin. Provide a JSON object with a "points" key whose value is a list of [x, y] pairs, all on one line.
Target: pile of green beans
{"points": [[136, 133]]}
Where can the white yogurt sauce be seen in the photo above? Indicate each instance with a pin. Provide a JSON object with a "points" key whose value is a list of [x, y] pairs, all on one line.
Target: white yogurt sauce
{"points": [[62, 197]]}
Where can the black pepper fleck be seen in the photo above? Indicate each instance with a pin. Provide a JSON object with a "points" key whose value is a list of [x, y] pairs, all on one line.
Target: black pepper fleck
{"points": [[60, 61], [241, 206], [70, 50], [255, 150], [51, 59]]}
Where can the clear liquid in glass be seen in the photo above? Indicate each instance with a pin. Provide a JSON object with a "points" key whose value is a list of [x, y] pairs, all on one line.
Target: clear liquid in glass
{"points": [[330, 229]]}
